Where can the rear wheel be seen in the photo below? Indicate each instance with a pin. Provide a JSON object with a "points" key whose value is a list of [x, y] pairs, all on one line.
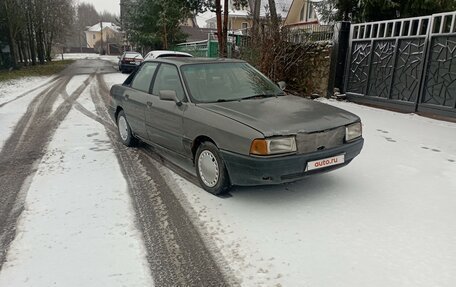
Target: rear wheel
{"points": [[211, 169], [124, 130]]}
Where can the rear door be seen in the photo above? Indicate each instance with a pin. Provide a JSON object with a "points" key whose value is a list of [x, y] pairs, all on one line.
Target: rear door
{"points": [[164, 118], [136, 97]]}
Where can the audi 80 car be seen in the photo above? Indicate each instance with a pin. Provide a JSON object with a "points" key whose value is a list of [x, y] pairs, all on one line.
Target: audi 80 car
{"points": [[235, 125]]}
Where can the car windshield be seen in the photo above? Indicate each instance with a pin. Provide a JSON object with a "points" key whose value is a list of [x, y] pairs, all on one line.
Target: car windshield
{"points": [[220, 82]]}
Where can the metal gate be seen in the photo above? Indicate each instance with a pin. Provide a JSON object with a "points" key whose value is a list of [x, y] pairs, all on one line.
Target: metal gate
{"points": [[405, 64]]}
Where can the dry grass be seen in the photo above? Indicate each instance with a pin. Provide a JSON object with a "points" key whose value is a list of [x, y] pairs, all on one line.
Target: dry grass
{"points": [[38, 70]]}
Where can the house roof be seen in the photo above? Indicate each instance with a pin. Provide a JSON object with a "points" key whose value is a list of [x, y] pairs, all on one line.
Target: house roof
{"points": [[196, 34], [97, 27]]}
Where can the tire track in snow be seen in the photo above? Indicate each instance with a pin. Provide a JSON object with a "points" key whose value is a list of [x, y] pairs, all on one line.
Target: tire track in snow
{"points": [[176, 253], [30, 91], [23, 151]]}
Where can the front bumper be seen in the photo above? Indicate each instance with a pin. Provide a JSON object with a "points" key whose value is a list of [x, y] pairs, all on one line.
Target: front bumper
{"points": [[248, 170]]}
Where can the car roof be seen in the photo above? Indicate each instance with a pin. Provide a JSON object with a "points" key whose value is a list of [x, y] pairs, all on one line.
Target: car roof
{"points": [[179, 61]]}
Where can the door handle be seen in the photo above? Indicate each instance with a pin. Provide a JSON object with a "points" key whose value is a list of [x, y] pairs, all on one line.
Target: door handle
{"points": [[127, 97], [149, 104]]}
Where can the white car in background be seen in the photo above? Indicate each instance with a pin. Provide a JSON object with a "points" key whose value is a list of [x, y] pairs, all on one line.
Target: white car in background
{"points": [[164, 54]]}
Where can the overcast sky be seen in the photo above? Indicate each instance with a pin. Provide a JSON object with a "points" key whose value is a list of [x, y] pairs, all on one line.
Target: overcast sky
{"points": [[102, 5]]}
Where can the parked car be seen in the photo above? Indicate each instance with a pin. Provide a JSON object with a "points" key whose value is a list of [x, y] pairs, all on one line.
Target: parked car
{"points": [[165, 54], [129, 61], [234, 124]]}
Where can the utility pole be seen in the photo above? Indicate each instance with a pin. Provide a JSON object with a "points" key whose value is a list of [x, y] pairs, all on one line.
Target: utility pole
{"points": [[101, 31]]}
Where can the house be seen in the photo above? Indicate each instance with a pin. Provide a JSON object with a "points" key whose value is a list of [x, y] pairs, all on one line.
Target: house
{"points": [[239, 19], [195, 34], [303, 13], [111, 33], [305, 22], [282, 8]]}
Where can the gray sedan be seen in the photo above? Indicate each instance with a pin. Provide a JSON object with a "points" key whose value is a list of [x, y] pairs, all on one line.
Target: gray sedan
{"points": [[234, 124]]}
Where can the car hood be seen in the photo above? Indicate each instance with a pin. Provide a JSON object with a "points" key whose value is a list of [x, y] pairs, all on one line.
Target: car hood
{"points": [[284, 115]]}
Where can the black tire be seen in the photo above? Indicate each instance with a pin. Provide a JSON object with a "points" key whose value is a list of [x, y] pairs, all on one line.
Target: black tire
{"points": [[222, 184], [128, 139]]}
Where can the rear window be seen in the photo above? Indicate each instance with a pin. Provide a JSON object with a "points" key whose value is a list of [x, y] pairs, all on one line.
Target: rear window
{"points": [[133, 55], [174, 55]]}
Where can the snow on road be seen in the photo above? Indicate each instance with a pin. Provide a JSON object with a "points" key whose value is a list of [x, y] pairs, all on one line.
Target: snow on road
{"points": [[387, 219], [78, 226], [384, 220]]}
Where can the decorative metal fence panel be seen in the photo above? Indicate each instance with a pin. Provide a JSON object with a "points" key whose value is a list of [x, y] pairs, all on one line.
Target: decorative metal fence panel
{"points": [[439, 89], [405, 64]]}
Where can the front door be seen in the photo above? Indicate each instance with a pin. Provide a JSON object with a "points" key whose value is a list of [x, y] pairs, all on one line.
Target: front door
{"points": [[136, 97], [164, 118]]}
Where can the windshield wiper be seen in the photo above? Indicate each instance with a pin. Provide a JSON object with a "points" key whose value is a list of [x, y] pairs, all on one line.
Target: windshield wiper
{"points": [[261, 96], [224, 100]]}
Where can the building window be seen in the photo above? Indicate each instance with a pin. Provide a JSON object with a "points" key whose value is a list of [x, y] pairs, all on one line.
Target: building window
{"points": [[307, 12], [303, 13], [94, 36], [244, 25], [310, 11]]}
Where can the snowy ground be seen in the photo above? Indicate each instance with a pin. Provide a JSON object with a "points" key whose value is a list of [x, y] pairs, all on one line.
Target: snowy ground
{"points": [[78, 227], [384, 220], [80, 56], [387, 219]]}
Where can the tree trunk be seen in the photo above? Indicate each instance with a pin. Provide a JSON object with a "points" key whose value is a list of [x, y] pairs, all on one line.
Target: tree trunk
{"points": [[274, 19], [256, 18], [22, 49], [31, 40], [49, 47], [30, 34], [11, 39], [218, 14], [40, 45], [225, 28], [165, 36]]}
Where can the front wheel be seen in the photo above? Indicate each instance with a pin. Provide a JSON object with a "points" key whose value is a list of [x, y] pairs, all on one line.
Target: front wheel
{"points": [[211, 169], [124, 130]]}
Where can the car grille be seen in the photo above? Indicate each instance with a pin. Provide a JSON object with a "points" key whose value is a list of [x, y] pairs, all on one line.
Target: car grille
{"points": [[320, 140]]}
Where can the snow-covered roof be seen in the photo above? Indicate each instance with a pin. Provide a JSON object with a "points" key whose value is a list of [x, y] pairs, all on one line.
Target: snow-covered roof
{"points": [[282, 7], [97, 27]]}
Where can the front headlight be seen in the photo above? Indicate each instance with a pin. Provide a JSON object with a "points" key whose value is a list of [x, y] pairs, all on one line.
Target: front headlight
{"points": [[353, 131], [273, 146]]}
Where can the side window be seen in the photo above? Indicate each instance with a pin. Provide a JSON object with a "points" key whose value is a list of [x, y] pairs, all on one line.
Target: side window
{"points": [[168, 79], [144, 77]]}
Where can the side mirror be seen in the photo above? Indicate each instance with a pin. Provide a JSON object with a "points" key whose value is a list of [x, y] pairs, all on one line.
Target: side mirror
{"points": [[169, 95], [282, 85]]}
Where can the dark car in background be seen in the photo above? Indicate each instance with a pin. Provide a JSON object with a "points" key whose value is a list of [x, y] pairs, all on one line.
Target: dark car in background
{"points": [[234, 124], [129, 61]]}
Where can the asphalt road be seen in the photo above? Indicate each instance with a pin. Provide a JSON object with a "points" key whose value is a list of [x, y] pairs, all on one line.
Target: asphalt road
{"points": [[176, 253]]}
